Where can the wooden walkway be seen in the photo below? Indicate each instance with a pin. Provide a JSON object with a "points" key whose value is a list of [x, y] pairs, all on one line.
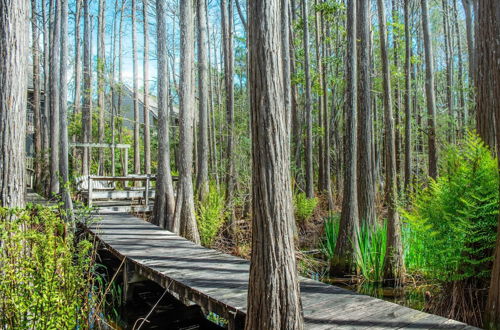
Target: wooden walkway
{"points": [[218, 282]]}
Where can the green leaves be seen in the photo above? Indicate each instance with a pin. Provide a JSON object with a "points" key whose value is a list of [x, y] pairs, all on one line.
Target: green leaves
{"points": [[304, 207], [211, 215]]}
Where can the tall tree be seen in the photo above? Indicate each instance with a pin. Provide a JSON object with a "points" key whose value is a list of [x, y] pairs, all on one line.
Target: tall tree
{"points": [[137, 153], [407, 95], [87, 88], [77, 106], [203, 84], [36, 102], [101, 64], [147, 134], [14, 46], [429, 91], [449, 71], [63, 111], [227, 37], [366, 184], [184, 207], [308, 104], [467, 4], [489, 74], [163, 213], [349, 219], [394, 267], [272, 304], [54, 99]]}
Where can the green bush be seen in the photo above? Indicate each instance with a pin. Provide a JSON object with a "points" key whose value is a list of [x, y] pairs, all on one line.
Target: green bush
{"points": [[211, 215], [304, 207], [372, 246], [451, 227], [45, 274], [331, 228]]}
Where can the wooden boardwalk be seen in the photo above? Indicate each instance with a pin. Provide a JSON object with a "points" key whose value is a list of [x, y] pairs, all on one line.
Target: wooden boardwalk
{"points": [[218, 282]]}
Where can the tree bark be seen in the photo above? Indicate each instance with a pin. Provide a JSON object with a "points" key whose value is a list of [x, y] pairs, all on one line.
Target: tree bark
{"points": [[366, 184], [429, 92], [46, 98], [77, 106], [346, 247], [273, 296], [14, 47], [489, 74], [184, 207], [101, 64], [54, 100], [203, 84], [449, 71], [36, 96], [407, 96], [308, 105], [147, 134], [137, 152], [394, 266], [63, 111], [164, 200], [87, 89]]}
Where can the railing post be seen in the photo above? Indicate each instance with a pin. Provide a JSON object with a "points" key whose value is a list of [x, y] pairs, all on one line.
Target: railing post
{"points": [[90, 191], [147, 192]]}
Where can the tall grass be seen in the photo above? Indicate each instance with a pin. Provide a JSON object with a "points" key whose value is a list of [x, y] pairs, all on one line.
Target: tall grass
{"points": [[371, 251], [331, 228], [211, 215]]}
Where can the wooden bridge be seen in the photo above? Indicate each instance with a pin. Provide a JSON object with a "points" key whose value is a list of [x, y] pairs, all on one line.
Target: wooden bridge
{"points": [[218, 282]]}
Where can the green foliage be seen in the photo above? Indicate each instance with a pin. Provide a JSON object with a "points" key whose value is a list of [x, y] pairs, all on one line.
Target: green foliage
{"points": [[451, 227], [304, 207], [45, 274], [211, 215], [372, 244], [331, 227]]}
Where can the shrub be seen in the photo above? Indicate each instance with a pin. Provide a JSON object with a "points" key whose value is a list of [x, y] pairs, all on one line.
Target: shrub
{"points": [[304, 207], [211, 215], [45, 274], [451, 227], [372, 246]]}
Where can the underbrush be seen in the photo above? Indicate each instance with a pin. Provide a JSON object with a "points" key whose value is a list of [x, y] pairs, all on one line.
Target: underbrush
{"points": [[46, 273], [211, 215], [304, 207]]}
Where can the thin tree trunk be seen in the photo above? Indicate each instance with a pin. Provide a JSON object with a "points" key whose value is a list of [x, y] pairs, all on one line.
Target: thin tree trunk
{"points": [[46, 97], [101, 64], [77, 106], [272, 304], [227, 35], [345, 249], [203, 85], [407, 96], [147, 134], [308, 106], [429, 92], [137, 152], [14, 50], [366, 185], [463, 110], [36, 95], [467, 4], [449, 72], [63, 111], [397, 92], [164, 200], [394, 267], [54, 100], [184, 207], [87, 89]]}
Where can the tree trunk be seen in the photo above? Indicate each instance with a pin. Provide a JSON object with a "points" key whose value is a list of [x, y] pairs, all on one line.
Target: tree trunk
{"points": [[14, 48], [101, 64], [46, 103], [463, 111], [227, 35], [346, 247], [308, 106], [77, 106], [407, 96], [429, 92], [147, 134], [36, 96], [87, 89], [467, 4], [489, 74], [137, 152], [203, 84], [164, 200], [184, 207], [272, 304], [449, 71], [63, 111], [366, 185], [54, 100], [394, 266]]}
